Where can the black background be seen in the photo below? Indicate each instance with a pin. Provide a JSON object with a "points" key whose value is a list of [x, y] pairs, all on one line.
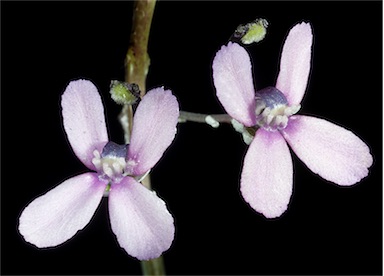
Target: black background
{"points": [[326, 230]]}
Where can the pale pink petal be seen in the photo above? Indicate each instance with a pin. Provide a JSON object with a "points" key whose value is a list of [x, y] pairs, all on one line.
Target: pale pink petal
{"points": [[154, 128], [331, 151], [84, 122], [267, 176], [232, 76], [56, 216], [140, 220], [295, 63]]}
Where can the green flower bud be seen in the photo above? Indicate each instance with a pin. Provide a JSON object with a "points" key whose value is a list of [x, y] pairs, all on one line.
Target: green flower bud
{"points": [[251, 32], [124, 93]]}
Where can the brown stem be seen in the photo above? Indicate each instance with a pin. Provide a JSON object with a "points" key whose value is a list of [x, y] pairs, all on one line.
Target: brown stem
{"points": [[137, 59], [136, 68]]}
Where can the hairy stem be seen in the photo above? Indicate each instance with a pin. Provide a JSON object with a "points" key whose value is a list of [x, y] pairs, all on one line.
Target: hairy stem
{"points": [[136, 68]]}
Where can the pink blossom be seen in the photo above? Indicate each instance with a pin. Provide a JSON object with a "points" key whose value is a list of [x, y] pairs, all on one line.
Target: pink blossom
{"points": [[329, 150], [139, 218]]}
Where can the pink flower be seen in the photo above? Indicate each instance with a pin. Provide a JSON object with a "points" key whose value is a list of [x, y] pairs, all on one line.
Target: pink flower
{"points": [[331, 151], [139, 218]]}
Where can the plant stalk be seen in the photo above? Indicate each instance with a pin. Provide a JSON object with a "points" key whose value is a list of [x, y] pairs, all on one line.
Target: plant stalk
{"points": [[211, 119], [136, 69]]}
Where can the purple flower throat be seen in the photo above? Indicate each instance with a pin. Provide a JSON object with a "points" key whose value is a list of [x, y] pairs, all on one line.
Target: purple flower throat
{"points": [[112, 164], [272, 109]]}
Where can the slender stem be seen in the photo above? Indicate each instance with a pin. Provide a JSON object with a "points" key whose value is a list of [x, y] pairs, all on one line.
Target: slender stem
{"points": [[137, 58], [212, 119], [136, 68], [126, 121], [153, 267]]}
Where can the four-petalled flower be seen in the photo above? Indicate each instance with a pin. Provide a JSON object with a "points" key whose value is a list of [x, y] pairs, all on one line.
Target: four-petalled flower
{"points": [[331, 151], [139, 218]]}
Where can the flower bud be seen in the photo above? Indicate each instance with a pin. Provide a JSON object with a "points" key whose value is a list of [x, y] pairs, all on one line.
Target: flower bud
{"points": [[251, 32], [124, 93]]}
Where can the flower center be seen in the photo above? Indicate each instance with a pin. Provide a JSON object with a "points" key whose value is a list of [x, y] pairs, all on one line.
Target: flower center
{"points": [[272, 109], [111, 162]]}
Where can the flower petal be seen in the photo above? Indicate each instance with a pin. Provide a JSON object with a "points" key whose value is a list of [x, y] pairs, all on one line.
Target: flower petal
{"points": [[267, 176], [154, 128], [56, 216], [84, 122], [232, 76], [331, 151], [295, 63], [140, 220]]}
